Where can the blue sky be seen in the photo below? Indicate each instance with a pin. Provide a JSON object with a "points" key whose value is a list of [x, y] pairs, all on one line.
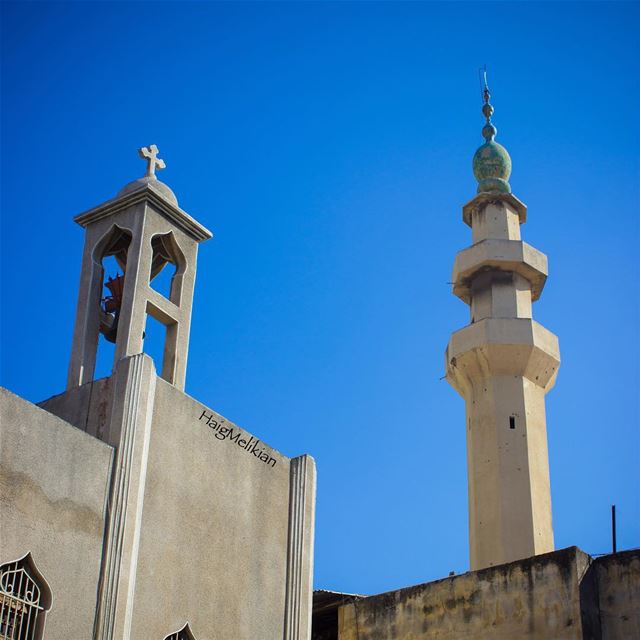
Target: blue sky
{"points": [[328, 146]]}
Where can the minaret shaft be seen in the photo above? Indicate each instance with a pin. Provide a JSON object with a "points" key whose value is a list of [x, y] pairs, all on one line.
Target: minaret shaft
{"points": [[503, 363], [508, 471]]}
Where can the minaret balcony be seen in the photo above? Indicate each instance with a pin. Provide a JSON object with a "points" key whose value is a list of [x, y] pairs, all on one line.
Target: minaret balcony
{"points": [[499, 255], [502, 347]]}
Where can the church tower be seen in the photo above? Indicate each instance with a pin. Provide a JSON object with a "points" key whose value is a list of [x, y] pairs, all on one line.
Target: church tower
{"points": [[144, 230], [502, 363]]}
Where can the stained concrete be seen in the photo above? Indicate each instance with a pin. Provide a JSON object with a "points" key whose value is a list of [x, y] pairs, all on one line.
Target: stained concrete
{"points": [[564, 595], [537, 599], [618, 583], [54, 483]]}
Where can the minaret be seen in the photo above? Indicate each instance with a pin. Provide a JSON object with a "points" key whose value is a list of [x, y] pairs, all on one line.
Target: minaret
{"points": [[144, 229], [502, 363]]}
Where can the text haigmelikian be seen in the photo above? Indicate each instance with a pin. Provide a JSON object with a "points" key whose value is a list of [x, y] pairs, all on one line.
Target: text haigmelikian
{"points": [[236, 436]]}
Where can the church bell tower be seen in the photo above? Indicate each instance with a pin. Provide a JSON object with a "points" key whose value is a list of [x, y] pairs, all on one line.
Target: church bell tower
{"points": [[144, 230], [502, 363], [190, 526]]}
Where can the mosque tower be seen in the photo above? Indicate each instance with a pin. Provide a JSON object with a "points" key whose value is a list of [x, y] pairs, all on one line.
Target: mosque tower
{"points": [[503, 363]]}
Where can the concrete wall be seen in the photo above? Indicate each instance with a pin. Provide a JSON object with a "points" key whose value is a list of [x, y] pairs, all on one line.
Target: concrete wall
{"points": [[208, 525], [87, 407], [54, 482], [537, 598], [215, 531], [618, 582]]}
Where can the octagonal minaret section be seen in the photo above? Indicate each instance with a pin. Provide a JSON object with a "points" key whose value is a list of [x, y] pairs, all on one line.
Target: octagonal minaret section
{"points": [[502, 363]]}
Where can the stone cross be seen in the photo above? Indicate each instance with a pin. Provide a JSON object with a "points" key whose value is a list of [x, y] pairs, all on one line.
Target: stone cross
{"points": [[150, 154]]}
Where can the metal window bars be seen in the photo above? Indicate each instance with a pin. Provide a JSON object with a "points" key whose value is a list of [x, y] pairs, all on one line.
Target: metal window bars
{"points": [[21, 606]]}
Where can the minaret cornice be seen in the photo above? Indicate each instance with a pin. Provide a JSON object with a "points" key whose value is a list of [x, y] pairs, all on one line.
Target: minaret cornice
{"points": [[502, 347], [513, 256], [482, 200]]}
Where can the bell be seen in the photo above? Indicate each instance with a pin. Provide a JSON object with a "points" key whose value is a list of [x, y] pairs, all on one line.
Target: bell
{"points": [[113, 302]]}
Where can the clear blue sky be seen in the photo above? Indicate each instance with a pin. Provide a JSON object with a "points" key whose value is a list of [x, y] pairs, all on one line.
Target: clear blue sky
{"points": [[328, 146]]}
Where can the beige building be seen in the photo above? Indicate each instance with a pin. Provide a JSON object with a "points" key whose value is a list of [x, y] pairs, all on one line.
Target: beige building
{"points": [[130, 510]]}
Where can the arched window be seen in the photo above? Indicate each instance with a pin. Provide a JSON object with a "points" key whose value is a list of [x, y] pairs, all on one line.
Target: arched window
{"points": [[25, 599], [183, 634]]}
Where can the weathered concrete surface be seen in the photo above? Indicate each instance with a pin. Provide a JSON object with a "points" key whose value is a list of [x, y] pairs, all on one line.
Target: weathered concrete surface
{"points": [[618, 581], [87, 407], [54, 482], [537, 598], [326, 605], [215, 538], [207, 524]]}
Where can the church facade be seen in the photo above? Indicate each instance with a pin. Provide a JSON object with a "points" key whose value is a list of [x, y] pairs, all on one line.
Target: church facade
{"points": [[129, 509]]}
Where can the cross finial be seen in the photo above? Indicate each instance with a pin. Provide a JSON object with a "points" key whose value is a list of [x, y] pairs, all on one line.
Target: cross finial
{"points": [[150, 154]]}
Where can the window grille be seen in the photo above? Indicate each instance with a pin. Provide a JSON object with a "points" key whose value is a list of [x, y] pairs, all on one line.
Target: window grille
{"points": [[24, 600], [183, 634]]}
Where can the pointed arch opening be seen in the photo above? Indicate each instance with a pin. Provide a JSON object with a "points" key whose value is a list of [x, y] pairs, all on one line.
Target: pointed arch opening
{"points": [[110, 266], [25, 598], [184, 634], [167, 266], [111, 253]]}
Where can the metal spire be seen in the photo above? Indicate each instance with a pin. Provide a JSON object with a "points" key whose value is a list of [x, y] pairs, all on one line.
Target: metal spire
{"points": [[488, 131]]}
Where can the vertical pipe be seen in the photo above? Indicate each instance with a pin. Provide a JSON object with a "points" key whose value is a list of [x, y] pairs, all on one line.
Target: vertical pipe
{"points": [[613, 528]]}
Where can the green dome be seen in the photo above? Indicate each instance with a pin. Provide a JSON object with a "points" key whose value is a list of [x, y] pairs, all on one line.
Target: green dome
{"points": [[492, 168], [491, 162]]}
